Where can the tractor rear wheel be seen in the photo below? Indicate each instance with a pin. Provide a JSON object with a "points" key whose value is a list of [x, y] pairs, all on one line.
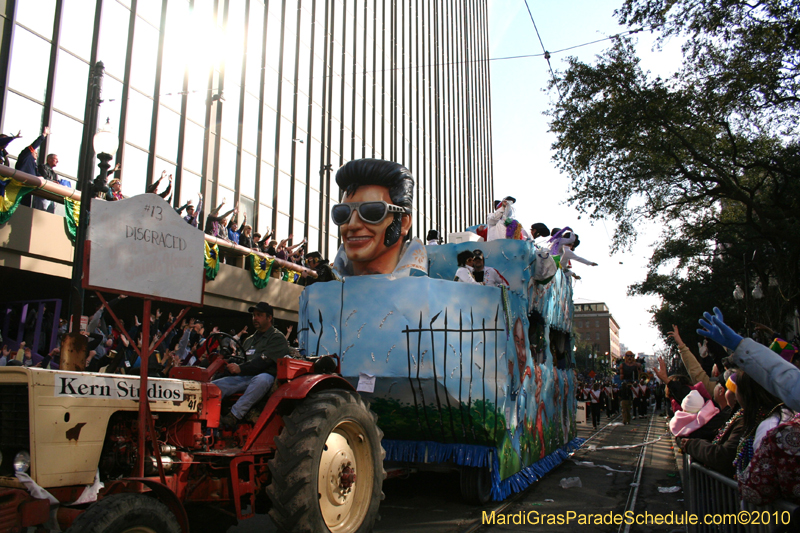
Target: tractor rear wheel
{"points": [[327, 472]]}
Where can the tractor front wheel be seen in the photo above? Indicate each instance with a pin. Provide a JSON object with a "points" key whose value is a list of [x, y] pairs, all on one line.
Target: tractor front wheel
{"points": [[126, 513], [327, 472]]}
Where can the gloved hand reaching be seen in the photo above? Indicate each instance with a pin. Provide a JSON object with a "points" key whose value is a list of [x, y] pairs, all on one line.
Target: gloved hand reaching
{"points": [[714, 328]]}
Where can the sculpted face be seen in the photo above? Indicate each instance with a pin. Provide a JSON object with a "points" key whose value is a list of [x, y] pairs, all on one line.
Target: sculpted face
{"points": [[363, 242]]}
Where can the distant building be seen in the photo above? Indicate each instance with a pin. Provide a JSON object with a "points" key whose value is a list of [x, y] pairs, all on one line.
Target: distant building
{"points": [[595, 324]]}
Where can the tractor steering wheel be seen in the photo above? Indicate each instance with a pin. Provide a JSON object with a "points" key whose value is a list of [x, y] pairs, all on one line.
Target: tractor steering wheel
{"points": [[225, 348]]}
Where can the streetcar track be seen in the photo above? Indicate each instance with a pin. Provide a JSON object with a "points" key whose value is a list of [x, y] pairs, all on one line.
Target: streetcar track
{"points": [[606, 431], [630, 504], [476, 524]]}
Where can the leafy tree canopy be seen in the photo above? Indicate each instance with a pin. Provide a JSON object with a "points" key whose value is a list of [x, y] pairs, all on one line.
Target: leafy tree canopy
{"points": [[711, 151]]}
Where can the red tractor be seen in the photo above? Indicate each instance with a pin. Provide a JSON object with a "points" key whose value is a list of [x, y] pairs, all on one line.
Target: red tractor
{"points": [[309, 453]]}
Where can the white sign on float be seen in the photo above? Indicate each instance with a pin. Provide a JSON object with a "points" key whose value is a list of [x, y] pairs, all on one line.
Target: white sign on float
{"points": [[105, 386], [141, 245]]}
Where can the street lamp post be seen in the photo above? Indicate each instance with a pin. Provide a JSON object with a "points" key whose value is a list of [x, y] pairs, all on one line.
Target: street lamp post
{"points": [[105, 146], [73, 349]]}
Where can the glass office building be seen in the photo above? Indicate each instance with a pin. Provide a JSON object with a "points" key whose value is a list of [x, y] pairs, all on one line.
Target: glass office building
{"points": [[260, 101]]}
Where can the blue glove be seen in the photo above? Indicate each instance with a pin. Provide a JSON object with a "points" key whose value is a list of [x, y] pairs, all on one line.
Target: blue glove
{"points": [[714, 328]]}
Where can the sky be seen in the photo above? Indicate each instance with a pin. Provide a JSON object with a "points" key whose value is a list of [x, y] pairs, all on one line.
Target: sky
{"points": [[523, 167]]}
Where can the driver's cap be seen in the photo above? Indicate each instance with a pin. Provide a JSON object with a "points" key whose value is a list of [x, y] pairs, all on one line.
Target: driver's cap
{"points": [[264, 307]]}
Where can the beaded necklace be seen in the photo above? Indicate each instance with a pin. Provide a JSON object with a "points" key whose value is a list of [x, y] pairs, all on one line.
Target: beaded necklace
{"points": [[744, 452], [736, 416]]}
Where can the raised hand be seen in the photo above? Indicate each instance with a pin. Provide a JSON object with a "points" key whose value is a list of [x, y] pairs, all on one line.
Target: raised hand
{"points": [[714, 328], [661, 371], [675, 335], [46, 131]]}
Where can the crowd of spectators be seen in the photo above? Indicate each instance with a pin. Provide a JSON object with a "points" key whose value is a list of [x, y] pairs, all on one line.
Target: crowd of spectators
{"points": [[191, 342], [738, 414], [223, 225]]}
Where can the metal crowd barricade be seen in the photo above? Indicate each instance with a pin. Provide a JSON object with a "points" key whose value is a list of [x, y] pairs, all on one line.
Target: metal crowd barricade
{"points": [[710, 493]]}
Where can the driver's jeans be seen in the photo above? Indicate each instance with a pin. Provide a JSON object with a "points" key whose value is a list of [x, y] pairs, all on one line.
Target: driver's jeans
{"points": [[253, 387]]}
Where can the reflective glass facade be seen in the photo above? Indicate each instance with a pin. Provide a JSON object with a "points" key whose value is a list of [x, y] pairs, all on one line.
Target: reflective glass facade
{"points": [[261, 101]]}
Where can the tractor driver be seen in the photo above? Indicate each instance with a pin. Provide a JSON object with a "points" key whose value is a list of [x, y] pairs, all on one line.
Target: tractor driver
{"points": [[255, 376], [374, 218]]}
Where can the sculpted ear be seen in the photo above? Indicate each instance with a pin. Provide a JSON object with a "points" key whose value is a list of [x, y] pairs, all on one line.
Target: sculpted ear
{"points": [[405, 226]]}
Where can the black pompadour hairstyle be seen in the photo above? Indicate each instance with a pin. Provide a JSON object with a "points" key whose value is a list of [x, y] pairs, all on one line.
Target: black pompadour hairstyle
{"points": [[463, 256], [394, 176]]}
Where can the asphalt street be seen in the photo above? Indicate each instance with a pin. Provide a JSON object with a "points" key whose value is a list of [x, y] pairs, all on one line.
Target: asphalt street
{"points": [[431, 502]]}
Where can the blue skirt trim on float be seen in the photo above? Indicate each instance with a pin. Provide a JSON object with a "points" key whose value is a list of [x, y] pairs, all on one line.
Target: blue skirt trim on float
{"points": [[478, 456]]}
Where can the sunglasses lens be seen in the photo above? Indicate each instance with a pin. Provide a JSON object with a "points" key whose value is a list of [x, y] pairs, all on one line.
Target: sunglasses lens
{"points": [[372, 212], [340, 214]]}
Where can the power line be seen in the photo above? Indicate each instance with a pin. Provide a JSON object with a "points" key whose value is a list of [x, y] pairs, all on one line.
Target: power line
{"points": [[546, 53]]}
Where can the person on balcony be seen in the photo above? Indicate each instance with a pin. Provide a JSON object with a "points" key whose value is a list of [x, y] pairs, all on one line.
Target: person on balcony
{"points": [[191, 212], [114, 190], [154, 187], [47, 172], [321, 266], [234, 233], [216, 223], [26, 162], [5, 140]]}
